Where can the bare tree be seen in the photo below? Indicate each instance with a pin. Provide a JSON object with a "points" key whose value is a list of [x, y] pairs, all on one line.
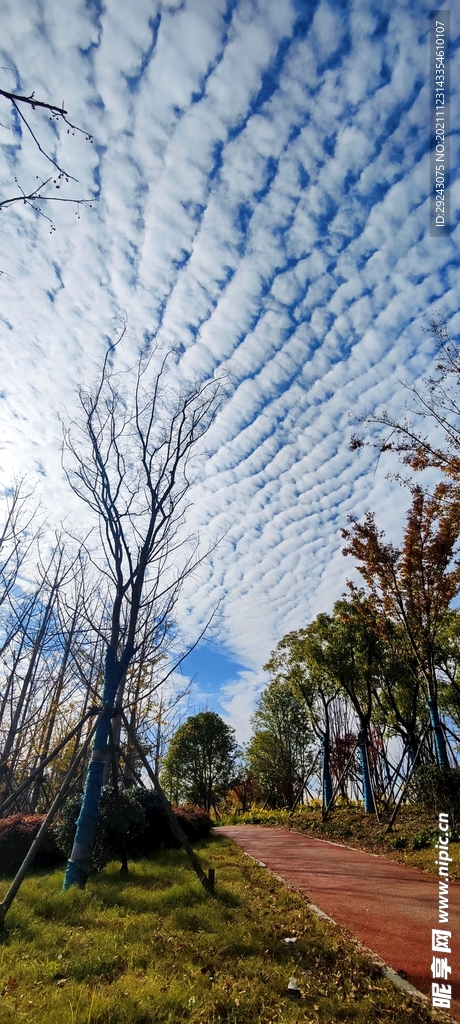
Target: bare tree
{"points": [[128, 459], [19, 535], [64, 697], [30, 694]]}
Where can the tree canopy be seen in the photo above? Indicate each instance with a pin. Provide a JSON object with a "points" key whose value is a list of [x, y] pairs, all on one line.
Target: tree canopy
{"points": [[200, 761], [278, 754]]}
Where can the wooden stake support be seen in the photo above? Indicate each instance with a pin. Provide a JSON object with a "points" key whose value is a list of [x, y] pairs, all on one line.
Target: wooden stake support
{"points": [[173, 822], [57, 802], [33, 775], [406, 783]]}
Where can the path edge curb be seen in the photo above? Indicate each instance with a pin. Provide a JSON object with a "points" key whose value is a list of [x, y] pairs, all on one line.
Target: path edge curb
{"points": [[387, 971]]}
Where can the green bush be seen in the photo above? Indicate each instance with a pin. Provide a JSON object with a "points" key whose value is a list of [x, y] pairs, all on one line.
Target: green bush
{"points": [[438, 789], [144, 825], [424, 838], [110, 830], [400, 842]]}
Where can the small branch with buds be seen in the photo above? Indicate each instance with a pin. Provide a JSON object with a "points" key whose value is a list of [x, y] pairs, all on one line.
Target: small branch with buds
{"points": [[56, 113]]}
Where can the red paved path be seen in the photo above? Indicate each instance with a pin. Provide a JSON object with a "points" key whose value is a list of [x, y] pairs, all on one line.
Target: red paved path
{"points": [[387, 906]]}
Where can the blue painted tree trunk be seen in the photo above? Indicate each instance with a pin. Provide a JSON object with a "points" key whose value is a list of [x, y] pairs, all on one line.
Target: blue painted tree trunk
{"points": [[327, 781], [412, 750], [79, 862], [369, 806], [439, 738]]}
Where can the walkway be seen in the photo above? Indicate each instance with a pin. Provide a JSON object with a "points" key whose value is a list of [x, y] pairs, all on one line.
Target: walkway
{"points": [[387, 906]]}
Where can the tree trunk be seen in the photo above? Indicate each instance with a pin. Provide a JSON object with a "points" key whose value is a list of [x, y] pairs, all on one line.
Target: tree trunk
{"points": [[116, 790], [369, 806], [327, 781], [413, 747], [79, 862], [439, 738]]}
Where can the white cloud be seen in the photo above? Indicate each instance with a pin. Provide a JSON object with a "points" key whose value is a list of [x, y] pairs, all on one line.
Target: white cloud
{"points": [[263, 212]]}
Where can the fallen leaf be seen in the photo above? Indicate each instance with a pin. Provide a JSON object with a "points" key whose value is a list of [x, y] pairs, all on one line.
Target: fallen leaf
{"points": [[9, 986]]}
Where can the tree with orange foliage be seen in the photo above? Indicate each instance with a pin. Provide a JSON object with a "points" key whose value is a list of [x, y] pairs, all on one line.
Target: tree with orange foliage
{"points": [[414, 585]]}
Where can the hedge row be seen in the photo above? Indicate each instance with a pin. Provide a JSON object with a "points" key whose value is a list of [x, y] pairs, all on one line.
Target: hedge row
{"points": [[142, 826]]}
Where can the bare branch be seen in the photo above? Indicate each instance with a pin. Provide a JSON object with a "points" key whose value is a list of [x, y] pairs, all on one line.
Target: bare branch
{"points": [[58, 113]]}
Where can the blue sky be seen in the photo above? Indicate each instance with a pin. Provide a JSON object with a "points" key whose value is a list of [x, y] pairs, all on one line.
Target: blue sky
{"points": [[261, 176]]}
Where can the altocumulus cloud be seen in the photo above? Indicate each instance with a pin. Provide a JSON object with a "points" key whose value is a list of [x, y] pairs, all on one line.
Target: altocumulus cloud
{"points": [[260, 172]]}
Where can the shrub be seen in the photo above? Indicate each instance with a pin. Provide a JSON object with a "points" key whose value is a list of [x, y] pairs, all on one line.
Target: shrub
{"points": [[145, 827], [156, 833], [110, 831], [438, 789], [424, 838], [195, 823], [17, 834]]}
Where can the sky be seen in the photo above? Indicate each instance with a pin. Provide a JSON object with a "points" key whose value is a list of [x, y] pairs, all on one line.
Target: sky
{"points": [[259, 176]]}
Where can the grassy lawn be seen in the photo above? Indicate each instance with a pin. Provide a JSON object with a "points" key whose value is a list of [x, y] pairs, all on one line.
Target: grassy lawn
{"points": [[410, 842], [153, 947]]}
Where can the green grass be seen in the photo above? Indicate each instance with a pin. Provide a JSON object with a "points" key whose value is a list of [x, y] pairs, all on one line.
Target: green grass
{"points": [[410, 842], [154, 948]]}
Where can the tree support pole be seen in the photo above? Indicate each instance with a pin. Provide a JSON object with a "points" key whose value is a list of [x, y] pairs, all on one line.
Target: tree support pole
{"points": [[406, 783], [342, 776], [58, 800], [33, 775], [397, 772], [173, 822], [304, 782], [267, 798]]}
